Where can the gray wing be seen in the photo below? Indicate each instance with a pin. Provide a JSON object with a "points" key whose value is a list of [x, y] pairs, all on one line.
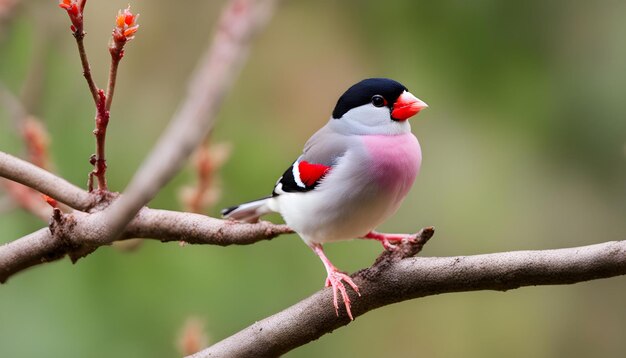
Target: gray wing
{"points": [[326, 146], [321, 153]]}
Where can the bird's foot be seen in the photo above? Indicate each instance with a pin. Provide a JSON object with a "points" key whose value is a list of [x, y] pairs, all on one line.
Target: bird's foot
{"points": [[334, 280], [387, 239]]}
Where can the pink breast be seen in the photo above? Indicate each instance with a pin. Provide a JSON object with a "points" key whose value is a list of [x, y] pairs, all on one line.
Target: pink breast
{"points": [[396, 160]]}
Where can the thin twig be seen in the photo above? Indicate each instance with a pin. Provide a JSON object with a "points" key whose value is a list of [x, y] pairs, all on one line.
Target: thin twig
{"points": [[214, 76], [125, 28], [98, 160], [115, 61], [93, 89]]}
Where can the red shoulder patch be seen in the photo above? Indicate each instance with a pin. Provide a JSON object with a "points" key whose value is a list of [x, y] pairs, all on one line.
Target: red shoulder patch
{"points": [[311, 173]]}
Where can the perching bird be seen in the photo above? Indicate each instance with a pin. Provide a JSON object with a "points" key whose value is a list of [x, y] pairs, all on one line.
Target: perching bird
{"points": [[352, 175]]}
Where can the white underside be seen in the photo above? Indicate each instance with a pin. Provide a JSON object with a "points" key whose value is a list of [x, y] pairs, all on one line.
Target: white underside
{"points": [[335, 211]]}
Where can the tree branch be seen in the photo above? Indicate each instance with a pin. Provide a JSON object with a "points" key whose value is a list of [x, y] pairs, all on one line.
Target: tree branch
{"points": [[79, 234], [28, 251], [76, 235], [394, 280], [213, 78], [166, 226], [45, 182]]}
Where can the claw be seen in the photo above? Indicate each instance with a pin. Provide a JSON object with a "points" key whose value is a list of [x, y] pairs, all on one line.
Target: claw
{"points": [[388, 245], [334, 279], [386, 239]]}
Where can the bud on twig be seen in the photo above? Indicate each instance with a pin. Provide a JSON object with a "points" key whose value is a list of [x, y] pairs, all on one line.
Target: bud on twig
{"points": [[75, 11], [124, 31]]}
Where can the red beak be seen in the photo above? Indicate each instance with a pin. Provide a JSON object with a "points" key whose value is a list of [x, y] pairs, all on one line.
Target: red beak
{"points": [[406, 106]]}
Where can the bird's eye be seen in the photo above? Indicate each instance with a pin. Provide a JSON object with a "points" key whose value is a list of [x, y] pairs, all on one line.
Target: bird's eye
{"points": [[378, 101]]}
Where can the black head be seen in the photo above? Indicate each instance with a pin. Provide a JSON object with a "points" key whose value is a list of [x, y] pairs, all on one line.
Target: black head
{"points": [[365, 91]]}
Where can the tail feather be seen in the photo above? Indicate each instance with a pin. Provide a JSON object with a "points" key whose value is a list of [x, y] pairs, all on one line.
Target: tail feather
{"points": [[248, 212]]}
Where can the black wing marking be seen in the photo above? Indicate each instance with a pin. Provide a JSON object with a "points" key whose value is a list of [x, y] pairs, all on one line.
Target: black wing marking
{"points": [[301, 176]]}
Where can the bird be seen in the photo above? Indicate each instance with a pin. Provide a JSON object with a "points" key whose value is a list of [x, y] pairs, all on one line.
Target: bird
{"points": [[352, 175]]}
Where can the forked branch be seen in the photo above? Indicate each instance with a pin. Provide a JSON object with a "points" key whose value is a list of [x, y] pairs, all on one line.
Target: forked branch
{"points": [[79, 234], [240, 21], [124, 31]]}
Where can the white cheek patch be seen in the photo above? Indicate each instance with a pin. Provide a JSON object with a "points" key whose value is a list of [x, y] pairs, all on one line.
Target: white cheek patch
{"points": [[369, 120], [368, 115]]}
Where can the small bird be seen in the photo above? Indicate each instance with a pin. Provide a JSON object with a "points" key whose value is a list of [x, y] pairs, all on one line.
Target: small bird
{"points": [[352, 175]]}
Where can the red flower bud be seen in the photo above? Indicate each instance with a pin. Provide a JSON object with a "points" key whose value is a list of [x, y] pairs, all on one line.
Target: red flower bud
{"points": [[75, 13], [125, 26]]}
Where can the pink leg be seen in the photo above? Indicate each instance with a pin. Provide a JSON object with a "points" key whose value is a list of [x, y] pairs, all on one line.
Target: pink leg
{"points": [[386, 239], [334, 279]]}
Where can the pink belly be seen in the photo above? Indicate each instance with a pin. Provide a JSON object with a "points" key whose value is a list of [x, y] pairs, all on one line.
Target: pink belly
{"points": [[379, 181], [395, 162]]}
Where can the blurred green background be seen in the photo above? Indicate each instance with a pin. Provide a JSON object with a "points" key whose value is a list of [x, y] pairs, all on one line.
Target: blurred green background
{"points": [[524, 147]]}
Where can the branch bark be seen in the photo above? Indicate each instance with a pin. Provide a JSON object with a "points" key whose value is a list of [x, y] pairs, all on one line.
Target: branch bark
{"points": [[36, 248], [76, 235], [84, 61], [79, 234], [166, 226], [45, 182], [393, 280]]}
